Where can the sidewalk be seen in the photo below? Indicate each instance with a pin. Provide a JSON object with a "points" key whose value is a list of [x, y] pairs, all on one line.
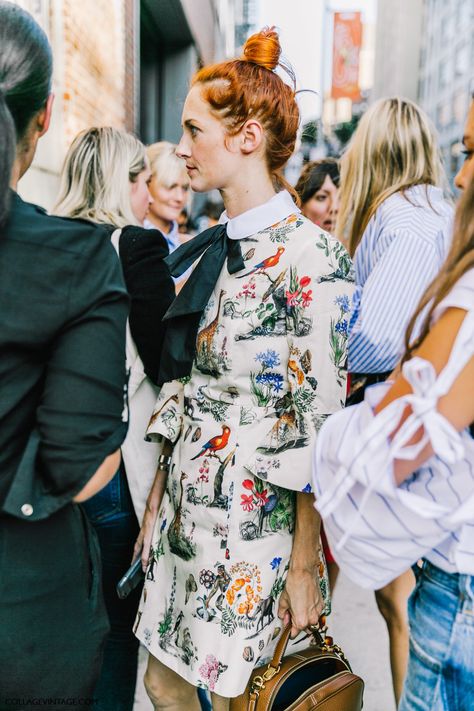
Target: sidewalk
{"points": [[358, 628]]}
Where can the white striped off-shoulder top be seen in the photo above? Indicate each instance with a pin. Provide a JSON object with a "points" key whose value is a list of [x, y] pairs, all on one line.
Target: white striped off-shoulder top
{"points": [[376, 530]]}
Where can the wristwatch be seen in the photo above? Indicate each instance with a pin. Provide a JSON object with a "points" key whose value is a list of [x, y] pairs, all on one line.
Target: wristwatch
{"points": [[164, 462]]}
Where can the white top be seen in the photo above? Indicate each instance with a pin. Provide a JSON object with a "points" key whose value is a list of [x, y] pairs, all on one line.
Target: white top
{"points": [[376, 530], [258, 218]]}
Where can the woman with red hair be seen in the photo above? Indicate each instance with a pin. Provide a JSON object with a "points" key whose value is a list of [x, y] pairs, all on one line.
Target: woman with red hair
{"points": [[252, 365]]}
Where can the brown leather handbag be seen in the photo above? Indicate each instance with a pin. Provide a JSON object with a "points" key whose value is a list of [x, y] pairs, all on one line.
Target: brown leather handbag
{"points": [[319, 678]]}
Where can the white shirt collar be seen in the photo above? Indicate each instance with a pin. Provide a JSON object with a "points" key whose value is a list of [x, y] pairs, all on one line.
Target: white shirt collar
{"points": [[258, 218]]}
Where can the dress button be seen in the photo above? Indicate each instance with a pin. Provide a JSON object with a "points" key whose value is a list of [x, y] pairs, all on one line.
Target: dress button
{"points": [[27, 509]]}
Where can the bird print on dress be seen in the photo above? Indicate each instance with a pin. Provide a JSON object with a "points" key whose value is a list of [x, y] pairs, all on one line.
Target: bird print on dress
{"points": [[214, 444], [267, 263]]}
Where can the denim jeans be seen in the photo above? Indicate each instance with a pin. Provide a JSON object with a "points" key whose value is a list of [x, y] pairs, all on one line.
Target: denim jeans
{"points": [[441, 664], [113, 517]]}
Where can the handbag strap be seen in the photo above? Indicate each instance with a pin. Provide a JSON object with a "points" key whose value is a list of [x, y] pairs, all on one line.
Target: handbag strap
{"points": [[322, 640]]}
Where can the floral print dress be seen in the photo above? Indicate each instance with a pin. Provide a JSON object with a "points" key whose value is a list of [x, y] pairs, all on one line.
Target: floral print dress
{"points": [[269, 368]]}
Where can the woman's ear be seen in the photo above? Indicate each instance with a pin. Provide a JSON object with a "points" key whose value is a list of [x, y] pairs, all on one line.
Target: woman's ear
{"points": [[251, 136], [43, 118]]}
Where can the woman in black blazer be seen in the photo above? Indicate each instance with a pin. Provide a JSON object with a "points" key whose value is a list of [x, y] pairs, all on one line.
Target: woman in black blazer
{"points": [[63, 311]]}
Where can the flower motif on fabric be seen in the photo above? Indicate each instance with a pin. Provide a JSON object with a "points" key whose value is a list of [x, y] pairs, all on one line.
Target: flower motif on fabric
{"points": [[271, 508], [298, 299], [339, 260], [266, 384], [339, 334], [275, 563], [211, 670]]}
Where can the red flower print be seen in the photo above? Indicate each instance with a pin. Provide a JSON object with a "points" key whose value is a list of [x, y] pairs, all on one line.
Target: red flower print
{"points": [[292, 298], [304, 281], [307, 297], [262, 498], [247, 502], [247, 484]]}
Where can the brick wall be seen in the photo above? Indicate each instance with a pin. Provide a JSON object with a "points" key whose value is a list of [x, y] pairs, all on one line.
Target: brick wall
{"points": [[93, 64]]}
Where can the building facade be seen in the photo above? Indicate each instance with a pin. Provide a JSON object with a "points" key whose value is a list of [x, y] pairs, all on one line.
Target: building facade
{"points": [[425, 52], [446, 72], [125, 63], [397, 48]]}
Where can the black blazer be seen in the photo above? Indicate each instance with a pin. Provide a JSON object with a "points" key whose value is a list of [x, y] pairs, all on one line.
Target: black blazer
{"points": [[63, 310], [151, 289]]}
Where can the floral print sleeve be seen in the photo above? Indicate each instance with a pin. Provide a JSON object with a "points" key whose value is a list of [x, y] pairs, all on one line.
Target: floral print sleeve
{"points": [[311, 384]]}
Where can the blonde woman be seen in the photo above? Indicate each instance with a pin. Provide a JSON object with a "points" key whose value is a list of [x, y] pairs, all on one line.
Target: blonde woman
{"points": [[169, 188], [398, 226], [105, 180]]}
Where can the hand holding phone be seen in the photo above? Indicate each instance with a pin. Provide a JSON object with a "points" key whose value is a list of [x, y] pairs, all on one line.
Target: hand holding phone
{"points": [[131, 579]]}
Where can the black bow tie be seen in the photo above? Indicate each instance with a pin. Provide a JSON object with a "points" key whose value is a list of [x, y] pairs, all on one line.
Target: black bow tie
{"points": [[183, 317]]}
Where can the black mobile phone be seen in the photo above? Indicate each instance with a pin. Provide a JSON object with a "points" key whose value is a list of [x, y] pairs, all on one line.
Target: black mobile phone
{"points": [[131, 579]]}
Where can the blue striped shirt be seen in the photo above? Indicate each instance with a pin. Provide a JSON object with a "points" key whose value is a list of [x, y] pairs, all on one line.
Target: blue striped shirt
{"points": [[401, 251]]}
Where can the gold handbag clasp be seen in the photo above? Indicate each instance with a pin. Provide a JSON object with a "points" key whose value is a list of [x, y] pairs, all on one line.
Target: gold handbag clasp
{"points": [[258, 682]]}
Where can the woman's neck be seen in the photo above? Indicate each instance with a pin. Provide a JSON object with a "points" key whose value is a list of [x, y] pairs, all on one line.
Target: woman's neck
{"points": [[247, 194], [163, 225]]}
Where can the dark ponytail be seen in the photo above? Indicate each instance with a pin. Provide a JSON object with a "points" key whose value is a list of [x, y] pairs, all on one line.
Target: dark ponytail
{"points": [[25, 82], [7, 155]]}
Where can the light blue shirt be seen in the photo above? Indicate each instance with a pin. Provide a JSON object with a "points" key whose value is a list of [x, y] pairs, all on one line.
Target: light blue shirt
{"points": [[401, 251]]}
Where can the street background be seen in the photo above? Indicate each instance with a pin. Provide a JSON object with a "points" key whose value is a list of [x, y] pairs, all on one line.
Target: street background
{"points": [[127, 63]]}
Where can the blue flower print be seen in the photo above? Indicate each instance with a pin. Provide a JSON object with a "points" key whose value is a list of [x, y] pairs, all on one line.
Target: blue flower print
{"points": [[307, 489], [343, 303], [341, 327], [273, 380], [268, 359], [275, 563]]}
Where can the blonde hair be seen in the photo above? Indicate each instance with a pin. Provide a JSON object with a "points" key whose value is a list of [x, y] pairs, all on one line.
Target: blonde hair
{"points": [[393, 148], [165, 165], [459, 260], [95, 180]]}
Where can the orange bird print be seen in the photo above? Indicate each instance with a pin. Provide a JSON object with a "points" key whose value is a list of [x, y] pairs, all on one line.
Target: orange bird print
{"points": [[215, 443], [265, 263]]}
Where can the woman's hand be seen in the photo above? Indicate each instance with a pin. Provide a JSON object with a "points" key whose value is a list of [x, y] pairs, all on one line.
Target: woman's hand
{"points": [[143, 543], [301, 602]]}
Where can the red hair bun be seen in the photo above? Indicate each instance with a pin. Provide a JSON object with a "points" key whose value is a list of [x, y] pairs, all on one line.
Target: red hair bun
{"points": [[263, 48]]}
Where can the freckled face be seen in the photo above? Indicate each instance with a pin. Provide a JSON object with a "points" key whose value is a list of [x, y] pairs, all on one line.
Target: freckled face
{"points": [[323, 206], [466, 174], [212, 157], [140, 197]]}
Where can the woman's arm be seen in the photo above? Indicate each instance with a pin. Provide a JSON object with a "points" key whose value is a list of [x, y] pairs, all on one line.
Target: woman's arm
{"points": [[151, 290], [153, 503], [100, 478], [457, 405], [301, 601]]}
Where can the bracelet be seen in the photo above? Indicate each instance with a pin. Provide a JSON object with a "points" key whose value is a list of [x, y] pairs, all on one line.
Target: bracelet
{"points": [[164, 462]]}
